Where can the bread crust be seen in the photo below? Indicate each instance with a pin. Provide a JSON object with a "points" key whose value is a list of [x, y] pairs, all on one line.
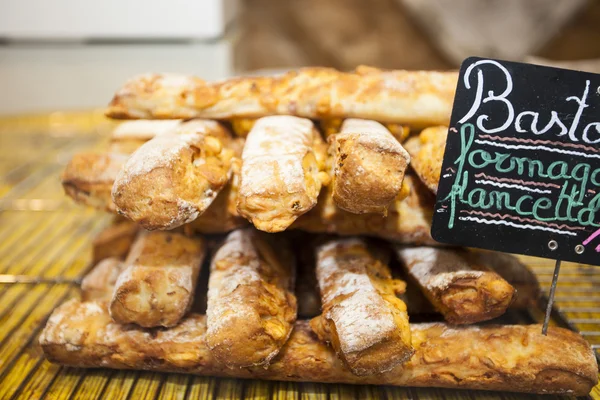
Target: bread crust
{"points": [[99, 283], [282, 166], [114, 241], [332, 126], [157, 284], [509, 267], [241, 127], [88, 178], [362, 319], [251, 306], [174, 177], [220, 217], [408, 220], [507, 358], [368, 166], [427, 154], [129, 136], [463, 290], [417, 98]]}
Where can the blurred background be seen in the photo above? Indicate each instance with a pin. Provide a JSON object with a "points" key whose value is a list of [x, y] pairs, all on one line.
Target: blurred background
{"points": [[72, 55]]}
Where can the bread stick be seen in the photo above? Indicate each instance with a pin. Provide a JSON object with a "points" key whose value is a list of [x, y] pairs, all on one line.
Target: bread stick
{"points": [[368, 167], [128, 136], [173, 178], [509, 267], [282, 172], [427, 154], [88, 178], [114, 241], [461, 289], [408, 220], [156, 287], [99, 283], [366, 324], [527, 288], [418, 98], [220, 217], [506, 358], [251, 306]]}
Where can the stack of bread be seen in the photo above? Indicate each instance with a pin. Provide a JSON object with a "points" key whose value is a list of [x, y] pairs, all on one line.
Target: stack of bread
{"points": [[232, 173]]}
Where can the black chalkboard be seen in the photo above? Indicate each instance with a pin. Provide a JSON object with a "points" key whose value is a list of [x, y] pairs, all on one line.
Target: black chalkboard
{"points": [[522, 162]]}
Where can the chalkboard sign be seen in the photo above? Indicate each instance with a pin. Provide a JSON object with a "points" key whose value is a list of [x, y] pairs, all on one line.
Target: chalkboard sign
{"points": [[521, 171]]}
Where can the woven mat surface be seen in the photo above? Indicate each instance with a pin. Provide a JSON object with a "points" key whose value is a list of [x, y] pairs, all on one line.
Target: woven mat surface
{"points": [[45, 239]]}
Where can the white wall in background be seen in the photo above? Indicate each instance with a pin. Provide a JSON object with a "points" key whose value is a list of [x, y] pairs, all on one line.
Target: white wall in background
{"points": [[116, 19]]}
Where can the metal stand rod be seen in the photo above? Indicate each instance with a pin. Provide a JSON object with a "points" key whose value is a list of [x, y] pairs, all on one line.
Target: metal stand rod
{"points": [[551, 298]]}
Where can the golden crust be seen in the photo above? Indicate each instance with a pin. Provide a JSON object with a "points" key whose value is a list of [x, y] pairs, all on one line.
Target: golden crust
{"points": [[222, 215], [368, 166], [88, 178], [156, 287], [509, 267], [114, 241], [366, 324], [408, 220], [99, 283], [173, 178], [506, 358], [418, 98], [331, 126], [251, 306], [457, 285], [242, 126], [427, 154], [527, 288], [282, 167]]}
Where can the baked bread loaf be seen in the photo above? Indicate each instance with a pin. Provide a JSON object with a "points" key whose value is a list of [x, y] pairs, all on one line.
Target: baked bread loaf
{"points": [[494, 357], [220, 217], [173, 178], [282, 172], [99, 283], [128, 136], [368, 166], [114, 241], [417, 98], [157, 284], [251, 306], [509, 267], [88, 178], [362, 319], [408, 220], [463, 290], [427, 154]]}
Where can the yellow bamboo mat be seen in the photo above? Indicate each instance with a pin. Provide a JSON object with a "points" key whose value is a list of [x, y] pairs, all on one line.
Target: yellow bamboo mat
{"points": [[45, 237]]}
